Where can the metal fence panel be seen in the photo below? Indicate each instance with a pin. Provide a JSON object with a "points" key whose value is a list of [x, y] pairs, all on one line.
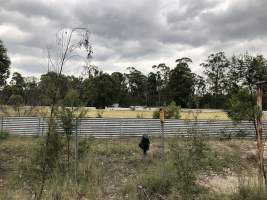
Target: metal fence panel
{"points": [[100, 127]]}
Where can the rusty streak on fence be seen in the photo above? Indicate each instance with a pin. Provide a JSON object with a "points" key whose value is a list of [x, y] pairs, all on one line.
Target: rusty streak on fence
{"points": [[100, 127]]}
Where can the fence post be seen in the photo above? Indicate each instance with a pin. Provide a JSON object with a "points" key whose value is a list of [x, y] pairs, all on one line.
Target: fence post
{"points": [[260, 140], [2, 121], [42, 126], [76, 149], [162, 140], [120, 140], [120, 129], [162, 120], [39, 126]]}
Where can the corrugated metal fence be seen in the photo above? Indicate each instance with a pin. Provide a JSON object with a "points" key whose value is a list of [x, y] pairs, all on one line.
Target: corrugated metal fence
{"points": [[100, 127]]}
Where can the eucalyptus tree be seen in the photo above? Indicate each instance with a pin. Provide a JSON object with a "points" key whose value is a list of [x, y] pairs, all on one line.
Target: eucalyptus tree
{"points": [[162, 79], [100, 91], [120, 89], [4, 64], [249, 70], [215, 69], [51, 82], [246, 70], [16, 87], [152, 90], [181, 83], [32, 93], [199, 89], [136, 82]]}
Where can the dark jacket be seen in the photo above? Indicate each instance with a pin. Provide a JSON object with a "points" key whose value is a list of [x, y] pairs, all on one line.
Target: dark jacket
{"points": [[144, 143]]}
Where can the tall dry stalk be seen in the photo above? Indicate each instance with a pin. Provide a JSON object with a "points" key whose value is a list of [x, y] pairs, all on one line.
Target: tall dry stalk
{"points": [[68, 44]]}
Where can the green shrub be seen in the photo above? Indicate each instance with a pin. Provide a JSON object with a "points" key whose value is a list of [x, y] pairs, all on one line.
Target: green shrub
{"points": [[4, 134], [157, 182], [85, 147], [191, 159], [172, 111], [156, 114], [241, 134], [225, 136]]}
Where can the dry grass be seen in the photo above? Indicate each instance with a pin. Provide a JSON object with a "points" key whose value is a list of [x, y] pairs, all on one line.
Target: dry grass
{"points": [[44, 111], [114, 166]]}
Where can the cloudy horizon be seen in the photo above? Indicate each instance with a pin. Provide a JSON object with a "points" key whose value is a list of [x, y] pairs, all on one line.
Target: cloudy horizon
{"points": [[137, 34]]}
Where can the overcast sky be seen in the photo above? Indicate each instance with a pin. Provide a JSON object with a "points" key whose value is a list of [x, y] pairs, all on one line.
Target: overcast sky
{"points": [[138, 33]]}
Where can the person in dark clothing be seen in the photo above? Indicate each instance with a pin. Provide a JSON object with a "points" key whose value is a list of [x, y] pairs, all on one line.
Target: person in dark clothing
{"points": [[144, 143]]}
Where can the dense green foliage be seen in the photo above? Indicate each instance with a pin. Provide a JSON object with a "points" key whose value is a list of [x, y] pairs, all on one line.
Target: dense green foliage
{"points": [[172, 111], [4, 64]]}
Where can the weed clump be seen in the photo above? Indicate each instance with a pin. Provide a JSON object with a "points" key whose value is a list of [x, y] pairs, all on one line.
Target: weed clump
{"points": [[4, 134], [190, 159], [155, 183], [249, 191], [85, 147]]}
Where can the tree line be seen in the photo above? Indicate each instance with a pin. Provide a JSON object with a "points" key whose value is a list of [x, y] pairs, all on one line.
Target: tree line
{"points": [[223, 79]]}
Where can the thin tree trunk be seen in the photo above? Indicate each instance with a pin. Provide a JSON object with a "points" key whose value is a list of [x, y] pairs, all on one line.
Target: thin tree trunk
{"points": [[253, 112], [260, 141], [68, 138], [63, 59]]}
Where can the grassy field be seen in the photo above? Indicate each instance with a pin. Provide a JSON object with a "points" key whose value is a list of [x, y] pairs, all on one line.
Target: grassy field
{"points": [[116, 169], [44, 111], [188, 114]]}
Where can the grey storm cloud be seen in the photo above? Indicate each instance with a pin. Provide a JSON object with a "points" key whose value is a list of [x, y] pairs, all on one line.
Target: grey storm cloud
{"points": [[130, 33], [32, 8], [241, 21]]}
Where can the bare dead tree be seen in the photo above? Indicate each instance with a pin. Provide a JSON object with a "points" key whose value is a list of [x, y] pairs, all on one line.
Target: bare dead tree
{"points": [[71, 44]]}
